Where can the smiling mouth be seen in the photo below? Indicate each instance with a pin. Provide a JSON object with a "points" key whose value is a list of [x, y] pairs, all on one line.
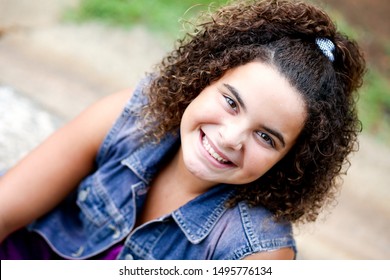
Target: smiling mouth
{"points": [[212, 152]]}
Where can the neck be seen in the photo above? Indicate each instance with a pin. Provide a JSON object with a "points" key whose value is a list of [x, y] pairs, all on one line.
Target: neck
{"points": [[176, 175]]}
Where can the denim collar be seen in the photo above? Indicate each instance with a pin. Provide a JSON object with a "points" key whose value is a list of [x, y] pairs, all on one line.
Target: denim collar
{"points": [[196, 218], [146, 159]]}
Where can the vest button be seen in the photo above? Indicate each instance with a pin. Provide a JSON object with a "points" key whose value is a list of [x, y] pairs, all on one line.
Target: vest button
{"points": [[78, 252], [129, 257], [117, 232], [83, 195]]}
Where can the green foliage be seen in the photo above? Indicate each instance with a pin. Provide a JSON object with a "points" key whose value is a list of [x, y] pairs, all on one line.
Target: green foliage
{"points": [[158, 15], [374, 105]]}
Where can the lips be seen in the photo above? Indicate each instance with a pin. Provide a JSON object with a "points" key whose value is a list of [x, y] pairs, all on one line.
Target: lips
{"points": [[212, 152], [220, 158]]}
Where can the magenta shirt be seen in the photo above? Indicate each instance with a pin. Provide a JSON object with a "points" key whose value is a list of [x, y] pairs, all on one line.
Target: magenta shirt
{"points": [[25, 245]]}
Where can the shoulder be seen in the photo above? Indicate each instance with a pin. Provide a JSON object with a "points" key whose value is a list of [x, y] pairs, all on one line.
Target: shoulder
{"points": [[252, 232], [286, 253], [100, 116], [112, 105], [124, 124], [258, 220], [134, 99]]}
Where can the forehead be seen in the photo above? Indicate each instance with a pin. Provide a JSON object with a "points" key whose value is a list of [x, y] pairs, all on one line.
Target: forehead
{"points": [[260, 79]]}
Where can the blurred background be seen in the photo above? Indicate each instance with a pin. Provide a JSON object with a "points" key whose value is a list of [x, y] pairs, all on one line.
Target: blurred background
{"points": [[59, 56]]}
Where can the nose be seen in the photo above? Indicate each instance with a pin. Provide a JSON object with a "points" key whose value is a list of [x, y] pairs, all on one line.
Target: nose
{"points": [[232, 136]]}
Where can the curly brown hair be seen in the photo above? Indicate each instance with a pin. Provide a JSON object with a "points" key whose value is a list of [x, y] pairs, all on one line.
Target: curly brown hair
{"points": [[299, 185]]}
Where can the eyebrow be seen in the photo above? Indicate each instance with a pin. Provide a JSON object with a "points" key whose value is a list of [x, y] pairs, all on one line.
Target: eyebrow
{"points": [[236, 94]]}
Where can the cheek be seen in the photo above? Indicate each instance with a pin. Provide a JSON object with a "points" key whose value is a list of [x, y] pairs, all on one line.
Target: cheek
{"points": [[188, 119], [260, 162]]}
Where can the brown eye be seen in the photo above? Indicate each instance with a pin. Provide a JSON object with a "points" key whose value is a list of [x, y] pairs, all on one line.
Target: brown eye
{"points": [[232, 104], [265, 137]]}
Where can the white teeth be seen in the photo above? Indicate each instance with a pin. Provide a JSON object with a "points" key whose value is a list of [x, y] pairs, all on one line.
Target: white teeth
{"points": [[211, 151]]}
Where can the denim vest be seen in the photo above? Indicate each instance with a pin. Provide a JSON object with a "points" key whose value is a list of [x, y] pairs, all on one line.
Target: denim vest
{"points": [[103, 209]]}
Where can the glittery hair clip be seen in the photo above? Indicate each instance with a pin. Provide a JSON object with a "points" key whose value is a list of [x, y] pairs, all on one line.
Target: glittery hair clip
{"points": [[327, 47]]}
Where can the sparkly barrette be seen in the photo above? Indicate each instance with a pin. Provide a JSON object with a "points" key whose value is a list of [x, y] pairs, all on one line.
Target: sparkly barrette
{"points": [[327, 47]]}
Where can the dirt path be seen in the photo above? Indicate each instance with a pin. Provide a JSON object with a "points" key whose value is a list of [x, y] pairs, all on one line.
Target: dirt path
{"points": [[58, 69]]}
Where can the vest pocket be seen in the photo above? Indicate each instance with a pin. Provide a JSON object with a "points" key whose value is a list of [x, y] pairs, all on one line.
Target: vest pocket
{"points": [[92, 200]]}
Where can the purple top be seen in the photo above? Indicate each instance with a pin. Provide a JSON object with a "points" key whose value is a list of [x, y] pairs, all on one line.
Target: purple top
{"points": [[25, 245]]}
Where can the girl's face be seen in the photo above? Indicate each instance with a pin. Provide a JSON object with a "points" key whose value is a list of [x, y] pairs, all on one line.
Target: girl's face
{"points": [[237, 128]]}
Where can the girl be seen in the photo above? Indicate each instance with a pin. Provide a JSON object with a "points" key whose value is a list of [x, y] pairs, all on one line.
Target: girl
{"points": [[242, 131]]}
